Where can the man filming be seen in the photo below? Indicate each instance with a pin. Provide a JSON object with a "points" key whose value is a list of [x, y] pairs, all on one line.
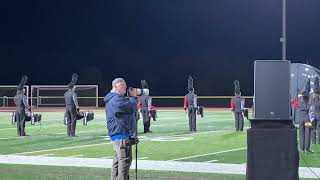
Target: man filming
{"points": [[121, 123]]}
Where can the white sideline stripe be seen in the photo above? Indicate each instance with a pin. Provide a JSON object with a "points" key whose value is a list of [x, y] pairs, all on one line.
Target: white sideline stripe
{"points": [[219, 152], [19, 137], [142, 158], [196, 167], [145, 138], [211, 161], [45, 155], [79, 155], [73, 147]]}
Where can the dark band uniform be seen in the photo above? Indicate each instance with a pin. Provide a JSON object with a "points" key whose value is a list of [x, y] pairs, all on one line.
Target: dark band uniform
{"points": [[237, 106], [190, 105], [72, 107], [21, 105], [315, 116], [145, 103], [304, 131]]}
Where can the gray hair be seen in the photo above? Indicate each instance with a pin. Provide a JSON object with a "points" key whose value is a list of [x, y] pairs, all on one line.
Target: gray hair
{"points": [[117, 81]]}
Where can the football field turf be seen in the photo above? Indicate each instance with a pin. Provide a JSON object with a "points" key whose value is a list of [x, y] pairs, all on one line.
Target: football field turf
{"points": [[215, 142]]}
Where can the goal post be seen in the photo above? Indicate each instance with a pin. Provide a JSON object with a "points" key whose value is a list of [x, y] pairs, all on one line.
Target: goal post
{"points": [[7, 93], [53, 95]]}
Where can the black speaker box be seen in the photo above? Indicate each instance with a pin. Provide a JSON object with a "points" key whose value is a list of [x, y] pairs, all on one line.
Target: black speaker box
{"points": [[272, 154], [271, 90]]}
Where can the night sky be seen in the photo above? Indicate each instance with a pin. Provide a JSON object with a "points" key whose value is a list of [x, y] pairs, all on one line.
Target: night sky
{"points": [[162, 41]]}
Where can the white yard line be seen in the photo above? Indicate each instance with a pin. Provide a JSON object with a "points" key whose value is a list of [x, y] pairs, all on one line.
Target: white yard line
{"points": [[143, 138], [79, 155], [219, 152], [195, 167], [211, 161], [142, 158], [18, 137], [199, 122], [45, 155]]}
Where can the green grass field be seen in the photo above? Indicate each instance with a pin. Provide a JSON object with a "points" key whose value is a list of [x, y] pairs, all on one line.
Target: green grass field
{"points": [[214, 142]]}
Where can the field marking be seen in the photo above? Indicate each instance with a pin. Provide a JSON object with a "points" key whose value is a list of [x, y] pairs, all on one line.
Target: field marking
{"points": [[142, 158], [72, 147], [207, 154], [45, 155], [75, 147], [203, 121], [7, 138], [18, 137], [170, 139], [79, 155], [211, 161]]}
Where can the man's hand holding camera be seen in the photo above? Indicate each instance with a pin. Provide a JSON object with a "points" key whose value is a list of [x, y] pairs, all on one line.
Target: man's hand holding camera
{"points": [[132, 92]]}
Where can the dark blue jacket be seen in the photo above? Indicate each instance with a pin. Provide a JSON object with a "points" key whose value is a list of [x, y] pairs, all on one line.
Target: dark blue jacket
{"points": [[120, 112]]}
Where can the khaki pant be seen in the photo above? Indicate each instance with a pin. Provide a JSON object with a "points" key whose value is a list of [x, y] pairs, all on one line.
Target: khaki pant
{"points": [[122, 159]]}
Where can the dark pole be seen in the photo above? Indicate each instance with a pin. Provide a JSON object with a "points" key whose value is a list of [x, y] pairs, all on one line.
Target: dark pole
{"points": [[283, 39], [136, 161]]}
